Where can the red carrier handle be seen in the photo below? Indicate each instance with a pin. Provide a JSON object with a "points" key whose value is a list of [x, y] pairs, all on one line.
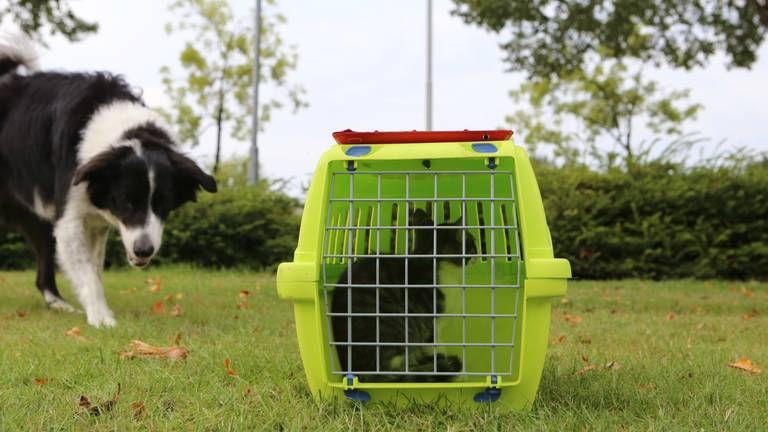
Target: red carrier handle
{"points": [[351, 137]]}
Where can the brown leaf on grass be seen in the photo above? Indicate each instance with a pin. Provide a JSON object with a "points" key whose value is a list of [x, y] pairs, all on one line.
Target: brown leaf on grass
{"points": [[177, 339], [142, 349], [671, 316], [585, 340], [586, 369], [22, 314], [158, 308], [137, 409], [168, 298], [99, 409], [154, 284], [559, 340], [649, 386], [750, 315], [584, 358], [745, 292], [230, 371], [179, 296], [74, 332], [40, 381], [564, 301], [176, 310], [746, 365], [613, 365]]}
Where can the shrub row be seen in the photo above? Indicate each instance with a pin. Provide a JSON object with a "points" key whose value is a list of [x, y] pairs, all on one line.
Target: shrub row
{"points": [[660, 221], [655, 221], [237, 227]]}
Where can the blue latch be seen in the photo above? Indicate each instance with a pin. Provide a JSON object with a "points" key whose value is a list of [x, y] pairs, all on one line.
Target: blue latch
{"points": [[357, 151], [484, 148], [491, 394], [354, 394]]}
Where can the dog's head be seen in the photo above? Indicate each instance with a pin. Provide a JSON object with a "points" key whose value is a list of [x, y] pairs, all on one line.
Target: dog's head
{"points": [[137, 184]]}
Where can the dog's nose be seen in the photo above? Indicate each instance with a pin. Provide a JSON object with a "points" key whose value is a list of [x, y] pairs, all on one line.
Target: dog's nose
{"points": [[143, 247]]}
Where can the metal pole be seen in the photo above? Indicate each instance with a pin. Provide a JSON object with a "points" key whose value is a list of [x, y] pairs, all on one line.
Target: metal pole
{"points": [[429, 65], [253, 162]]}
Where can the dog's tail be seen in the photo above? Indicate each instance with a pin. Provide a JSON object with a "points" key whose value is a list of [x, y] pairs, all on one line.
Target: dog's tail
{"points": [[16, 51]]}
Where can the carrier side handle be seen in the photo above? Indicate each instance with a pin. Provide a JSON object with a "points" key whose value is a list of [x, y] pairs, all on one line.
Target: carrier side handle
{"points": [[297, 281]]}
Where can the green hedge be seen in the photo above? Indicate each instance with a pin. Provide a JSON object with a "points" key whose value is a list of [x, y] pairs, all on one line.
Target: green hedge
{"points": [[656, 221], [660, 221], [236, 227]]}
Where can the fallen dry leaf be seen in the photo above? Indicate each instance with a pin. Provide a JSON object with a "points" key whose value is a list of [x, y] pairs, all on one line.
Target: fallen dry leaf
{"points": [[158, 308], [155, 285], [750, 315], [671, 316], [22, 314], [613, 365], [177, 339], [142, 349], [584, 358], [559, 340], [179, 296], [745, 364], [649, 386], [74, 332], [745, 292], [137, 409], [176, 310], [230, 371], [564, 301], [99, 409], [586, 369], [40, 381], [168, 298]]}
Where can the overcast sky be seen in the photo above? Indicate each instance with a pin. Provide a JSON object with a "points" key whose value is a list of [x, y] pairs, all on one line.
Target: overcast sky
{"points": [[362, 63]]}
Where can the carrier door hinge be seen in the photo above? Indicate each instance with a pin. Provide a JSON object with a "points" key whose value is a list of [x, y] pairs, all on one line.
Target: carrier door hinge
{"points": [[492, 393], [350, 392]]}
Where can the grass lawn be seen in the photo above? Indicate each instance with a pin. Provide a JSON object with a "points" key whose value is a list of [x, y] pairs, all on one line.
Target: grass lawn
{"points": [[671, 342]]}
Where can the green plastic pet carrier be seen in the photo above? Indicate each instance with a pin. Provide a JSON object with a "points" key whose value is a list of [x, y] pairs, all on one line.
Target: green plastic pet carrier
{"points": [[424, 270]]}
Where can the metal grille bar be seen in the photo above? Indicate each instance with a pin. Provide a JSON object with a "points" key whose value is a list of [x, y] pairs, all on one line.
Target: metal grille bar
{"points": [[382, 268]]}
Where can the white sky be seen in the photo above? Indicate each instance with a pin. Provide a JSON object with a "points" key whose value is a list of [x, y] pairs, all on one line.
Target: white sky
{"points": [[362, 63]]}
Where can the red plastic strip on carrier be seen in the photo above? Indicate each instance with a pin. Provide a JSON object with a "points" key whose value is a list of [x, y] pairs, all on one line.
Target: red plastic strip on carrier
{"points": [[351, 137]]}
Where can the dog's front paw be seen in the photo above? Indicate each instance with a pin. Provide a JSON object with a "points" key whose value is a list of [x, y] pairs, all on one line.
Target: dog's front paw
{"points": [[101, 318]]}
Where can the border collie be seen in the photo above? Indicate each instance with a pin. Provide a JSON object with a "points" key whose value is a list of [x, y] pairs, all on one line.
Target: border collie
{"points": [[80, 152]]}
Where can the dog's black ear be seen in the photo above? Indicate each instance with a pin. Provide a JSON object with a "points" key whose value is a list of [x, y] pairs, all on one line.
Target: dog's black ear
{"points": [[189, 178], [99, 166]]}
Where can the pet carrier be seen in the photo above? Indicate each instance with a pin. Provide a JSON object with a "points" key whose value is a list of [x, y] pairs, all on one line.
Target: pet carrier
{"points": [[424, 270]]}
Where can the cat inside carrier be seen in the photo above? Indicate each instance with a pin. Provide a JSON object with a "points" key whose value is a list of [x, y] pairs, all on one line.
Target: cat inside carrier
{"points": [[424, 269]]}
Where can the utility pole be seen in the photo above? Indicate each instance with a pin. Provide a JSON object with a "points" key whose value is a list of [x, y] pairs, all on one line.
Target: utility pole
{"points": [[429, 65], [253, 161]]}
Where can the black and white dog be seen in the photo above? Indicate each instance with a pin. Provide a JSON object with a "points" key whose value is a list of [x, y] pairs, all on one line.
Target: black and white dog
{"points": [[80, 152]]}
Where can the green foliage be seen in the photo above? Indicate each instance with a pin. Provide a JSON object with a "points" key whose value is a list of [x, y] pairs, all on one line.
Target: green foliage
{"points": [[215, 88], [14, 252], [659, 220], [577, 112], [249, 227], [55, 16], [554, 38]]}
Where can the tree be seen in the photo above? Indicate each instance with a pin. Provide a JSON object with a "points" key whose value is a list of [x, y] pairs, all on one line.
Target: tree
{"points": [[579, 111], [215, 90], [558, 37], [55, 16]]}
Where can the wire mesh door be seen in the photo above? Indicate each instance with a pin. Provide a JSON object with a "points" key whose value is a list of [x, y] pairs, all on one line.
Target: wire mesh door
{"points": [[421, 274]]}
